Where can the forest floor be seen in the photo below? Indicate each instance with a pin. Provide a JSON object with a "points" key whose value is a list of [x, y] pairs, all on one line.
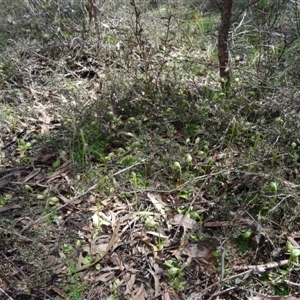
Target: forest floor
{"points": [[129, 174]]}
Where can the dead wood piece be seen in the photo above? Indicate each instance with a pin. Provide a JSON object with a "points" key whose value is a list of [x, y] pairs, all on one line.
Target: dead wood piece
{"points": [[9, 207], [13, 170], [261, 268]]}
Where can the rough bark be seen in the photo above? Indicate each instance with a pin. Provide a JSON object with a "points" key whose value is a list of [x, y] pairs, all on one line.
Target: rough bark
{"points": [[223, 43]]}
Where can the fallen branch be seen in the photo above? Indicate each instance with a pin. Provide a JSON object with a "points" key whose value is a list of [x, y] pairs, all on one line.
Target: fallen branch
{"points": [[262, 268]]}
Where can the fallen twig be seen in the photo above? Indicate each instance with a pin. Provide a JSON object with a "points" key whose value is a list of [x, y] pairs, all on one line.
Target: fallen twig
{"points": [[261, 268], [6, 295]]}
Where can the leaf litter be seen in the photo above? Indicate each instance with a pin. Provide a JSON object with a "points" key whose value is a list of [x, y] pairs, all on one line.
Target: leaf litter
{"points": [[117, 250], [120, 247]]}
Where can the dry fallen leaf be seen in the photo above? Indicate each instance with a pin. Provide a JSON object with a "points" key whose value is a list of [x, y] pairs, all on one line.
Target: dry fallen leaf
{"points": [[185, 221], [139, 294], [168, 293], [158, 203], [202, 249], [106, 277], [156, 278]]}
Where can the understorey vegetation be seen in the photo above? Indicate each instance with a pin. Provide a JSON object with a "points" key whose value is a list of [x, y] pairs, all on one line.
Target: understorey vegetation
{"points": [[149, 149]]}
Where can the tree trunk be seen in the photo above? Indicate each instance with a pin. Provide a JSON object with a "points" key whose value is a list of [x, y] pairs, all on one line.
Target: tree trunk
{"points": [[222, 44]]}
